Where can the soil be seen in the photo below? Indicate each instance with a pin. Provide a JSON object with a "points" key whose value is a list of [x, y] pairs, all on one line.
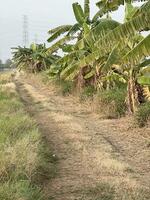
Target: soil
{"points": [[90, 150]]}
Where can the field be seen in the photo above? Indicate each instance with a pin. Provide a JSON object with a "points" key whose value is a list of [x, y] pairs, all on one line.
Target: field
{"points": [[25, 160]]}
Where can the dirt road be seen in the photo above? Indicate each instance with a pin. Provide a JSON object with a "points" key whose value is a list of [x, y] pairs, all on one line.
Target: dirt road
{"points": [[91, 152]]}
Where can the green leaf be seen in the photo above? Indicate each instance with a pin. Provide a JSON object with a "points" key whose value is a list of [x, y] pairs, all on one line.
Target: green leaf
{"points": [[87, 9], [86, 28], [112, 58], [118, 35], [99, 30], [78, 12], [59, 43], [58, 31], [144, 80], [100, 13], [145, 63], [130, 11], [75, 28], [139, 52]]}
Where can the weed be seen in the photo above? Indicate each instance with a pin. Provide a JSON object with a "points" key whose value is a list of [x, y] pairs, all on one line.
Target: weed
{"points": [[142, 115], [112, 103], [66, 87], [87, 92]]}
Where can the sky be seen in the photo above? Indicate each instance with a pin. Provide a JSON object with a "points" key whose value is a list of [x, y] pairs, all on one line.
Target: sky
{"points": [[42, 15]]}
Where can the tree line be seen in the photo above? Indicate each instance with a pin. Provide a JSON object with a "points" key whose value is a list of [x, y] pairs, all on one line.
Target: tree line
{"points": [[7, 64]]}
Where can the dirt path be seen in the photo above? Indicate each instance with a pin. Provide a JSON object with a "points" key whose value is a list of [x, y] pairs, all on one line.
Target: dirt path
{"points": [[90, 151]]}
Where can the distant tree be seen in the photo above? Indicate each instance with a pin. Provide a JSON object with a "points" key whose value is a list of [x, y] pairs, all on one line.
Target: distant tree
{"points": [[8, 63], [1, 63]]}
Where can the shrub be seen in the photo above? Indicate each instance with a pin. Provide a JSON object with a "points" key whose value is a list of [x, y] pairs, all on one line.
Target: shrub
{"points": [[112, 102], [66, 87], [87, 92], [142, 115]]}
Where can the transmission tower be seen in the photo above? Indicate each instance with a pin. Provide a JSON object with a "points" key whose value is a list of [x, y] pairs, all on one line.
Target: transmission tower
{"points": [[25, 31]]}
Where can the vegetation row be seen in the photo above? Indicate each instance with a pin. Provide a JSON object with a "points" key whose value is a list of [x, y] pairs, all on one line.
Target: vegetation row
{"points": [[99, 53]]}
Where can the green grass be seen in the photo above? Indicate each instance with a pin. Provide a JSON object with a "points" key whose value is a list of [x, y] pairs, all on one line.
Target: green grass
{"points": [[142, 115], [112, 102], [21, 190], [25, 159], [66, 87], [87, 93]]}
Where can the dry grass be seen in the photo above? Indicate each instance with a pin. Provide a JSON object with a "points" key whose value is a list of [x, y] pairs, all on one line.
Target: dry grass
{"points": [[5, 78], [23, 155], [110, 191]]}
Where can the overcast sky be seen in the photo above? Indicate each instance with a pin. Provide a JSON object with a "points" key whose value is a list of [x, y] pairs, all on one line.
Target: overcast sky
{"points": [[42, 16]]}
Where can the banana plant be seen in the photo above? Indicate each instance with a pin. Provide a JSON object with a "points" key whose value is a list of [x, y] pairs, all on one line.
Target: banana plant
{"points": [[72, 32], [33, 59], [134, 70], [106, 6], [106, 40], [124, 37], [138, 65]]}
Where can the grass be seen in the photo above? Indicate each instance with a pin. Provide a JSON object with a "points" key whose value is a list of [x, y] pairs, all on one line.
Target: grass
{"points": [[87, 93], [102, 191], [119, 173], [20, 190], [25, 160], [142, 115], [112, 103], [5, 78], [108, 191], [65, 87]]}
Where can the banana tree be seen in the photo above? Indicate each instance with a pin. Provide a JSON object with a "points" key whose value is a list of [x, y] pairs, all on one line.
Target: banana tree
{"points": [[136, 72], [119, 37], [107, 40], [72, 32], [106, 6], [131, 71], [33, 59]]}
